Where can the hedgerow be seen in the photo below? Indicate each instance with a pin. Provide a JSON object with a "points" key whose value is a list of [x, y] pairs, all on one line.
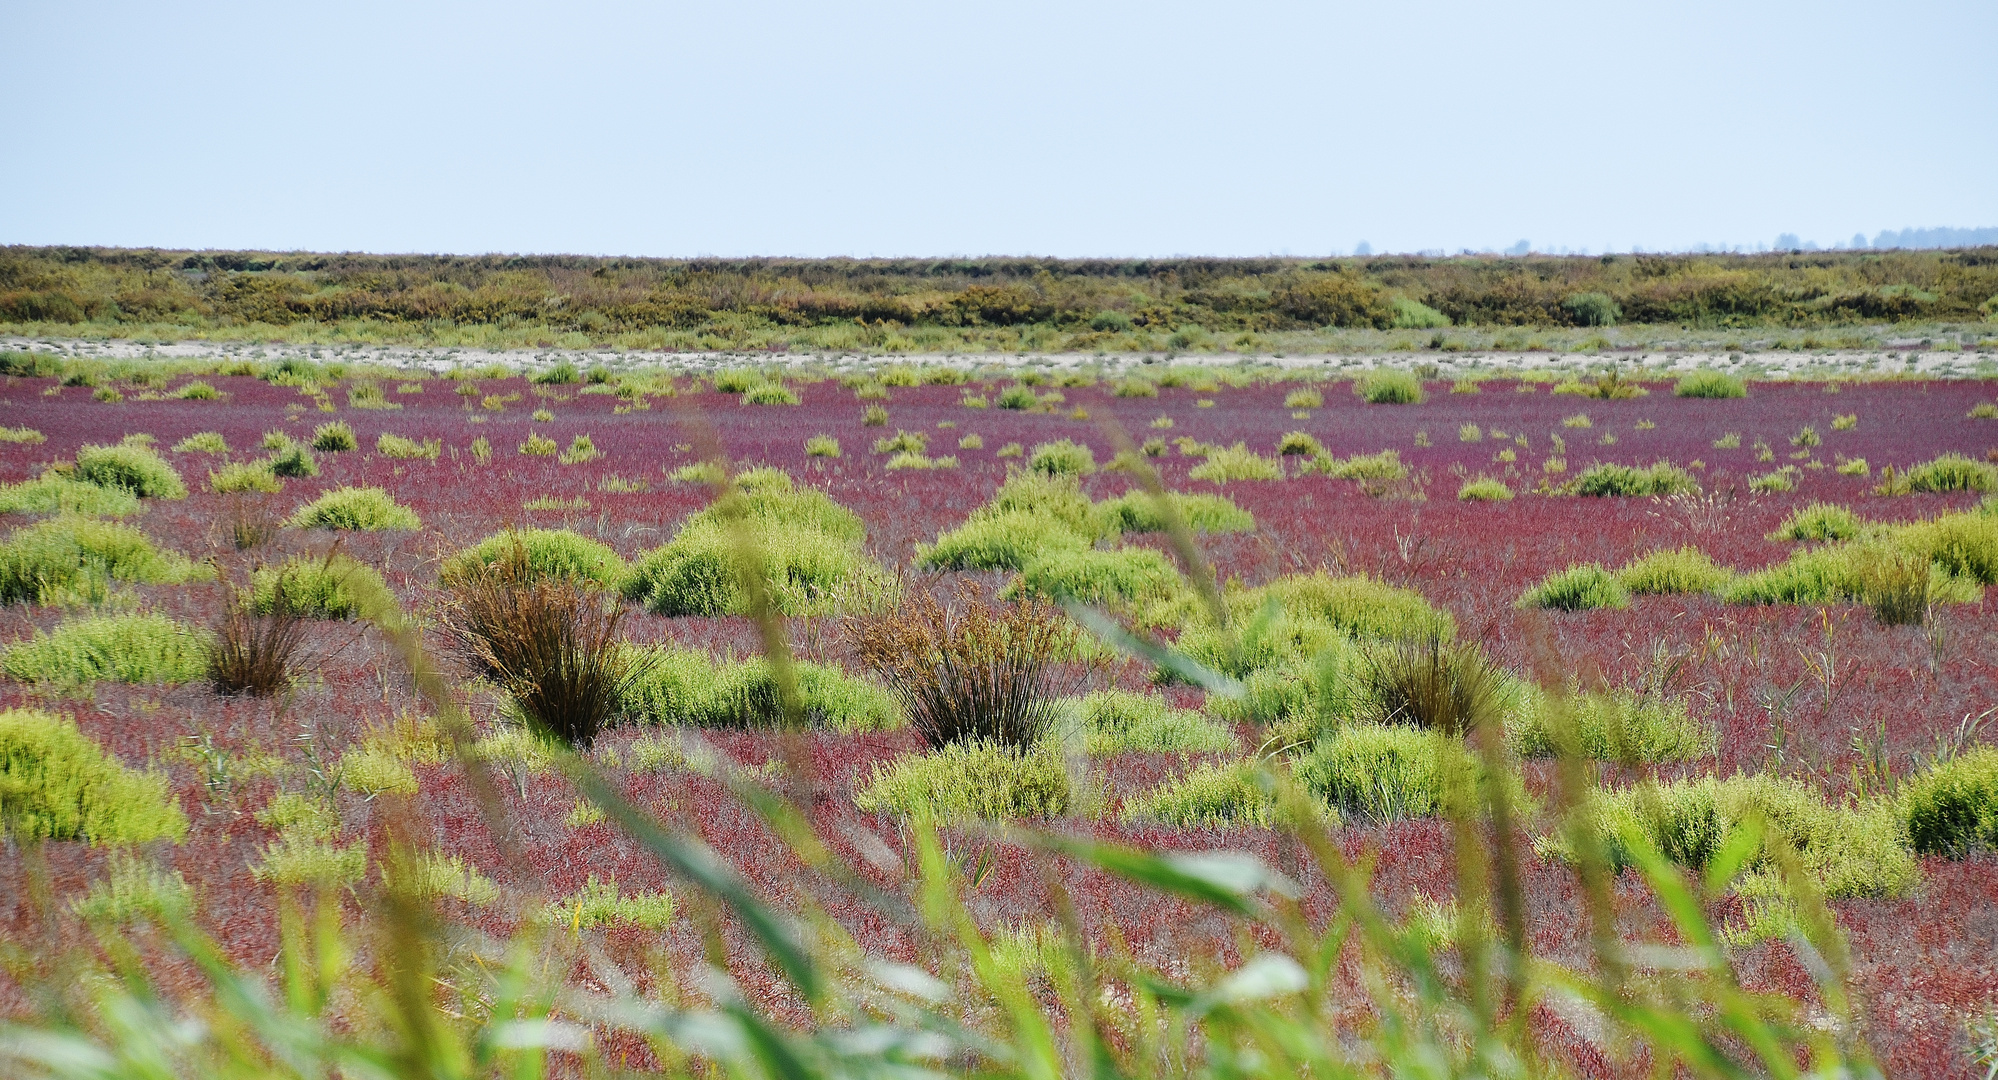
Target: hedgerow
{"points": [[58, 784], [361, 509]]}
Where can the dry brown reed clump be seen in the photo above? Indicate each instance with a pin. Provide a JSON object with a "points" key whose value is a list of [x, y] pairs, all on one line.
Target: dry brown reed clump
{"points": [[258, 653], [1432, 684]]}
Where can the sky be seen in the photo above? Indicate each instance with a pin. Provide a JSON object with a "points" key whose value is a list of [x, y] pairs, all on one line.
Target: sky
{"points": [[1043, 127]]}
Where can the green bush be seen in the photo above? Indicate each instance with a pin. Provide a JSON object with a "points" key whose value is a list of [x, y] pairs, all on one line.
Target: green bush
{"points": [[396, 446], [1484, 489], [1607, 725], [1236, 462], [1017, 397], [57, 784], [1212, 795], [548, 553], [54, 494], [1062, 457], [685, 687], [42, 560], [334, 437], [1118, 722], [1384, 466], [1378, 773], [1299, 444], [239, 476], [1820, 522], [1686, 570], [133, 890], [1138, 512], [1951, 472], [970, 780], [1304, 398], [1136, 388], [1592, 309], [1389, 386], [1625, 481], [132, 468], [770, 393], [202, 442], [315, 588], [1850, 851], [1123, 576], [1951, 809], [1578, 588], [1707, 383], [1033, 514], [362, 509], [737, 380], [1357, 605], [561, 373], [294, 462], [810, 547], [115, 648], [1965, 545]]}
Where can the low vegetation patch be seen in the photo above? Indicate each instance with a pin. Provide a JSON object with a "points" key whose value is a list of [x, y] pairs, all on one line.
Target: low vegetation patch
{"points": [[970, 780], [1707, 383], [66, 556], [129, 467], [1951, 809], [686, 687], [544, 553], [326, 588], [114, 648], [58, 784], [1578, 588], [358, 509]]}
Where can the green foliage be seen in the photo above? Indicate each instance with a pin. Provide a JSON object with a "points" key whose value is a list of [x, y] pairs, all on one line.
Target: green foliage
{"points": [[1212, 795], [1377, 773], [561, 373], [686, 687], [1033, 514], [132, 890], [1062, 457], [1686, 570], [1965, 545], [1236, 462], [360, 509], [810, 547], [1484, 489], [294, 860], [1592, 309], [129, 467], [538, 445], [969, 780], [239, 476], [315, 588], [1304, 398], [1606, 725], [293, 461], [1820, 522], [334, 437], [1415, 315], [1382, 467], [396, 446], [547, 553], [52, 493], [57, 784], [1299, 444], [601, 903], [1951, 809], [41, 561], [1138, 512], [769, 393], [1137, 388], [373, 771], [822, 446], [1356, 605], [1123, 576], [1850, 851], [116, 648], [1119, 722], [1578, 588], [1389, 386], [1949, 472], [1707, 383], [1625, 481], [202, 442]]}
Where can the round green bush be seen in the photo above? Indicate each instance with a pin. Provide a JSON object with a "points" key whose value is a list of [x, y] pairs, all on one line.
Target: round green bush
{"points": [[1952, 809], [1707, 383], [315, 588], [1063, 457], [970, 780], [68, 551], [132, 468], [58, 784], [334, 437], [1578, 588], [1389, 386], [362, 509], [547, 553]]}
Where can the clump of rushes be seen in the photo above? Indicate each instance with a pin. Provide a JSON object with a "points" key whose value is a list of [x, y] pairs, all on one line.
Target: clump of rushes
{"points": [[334, 438], [202, 442], [362, 509], [548, 553], [258, 654], [538, 445], [580, 450], [1818, 521], [145, 648], [822, 446], [1136, 388], [1431, 683], [903, 442], [561, 373], [971, 672], [240, 476], [51, 559], [328, 588], [1898, 586], [1389, 386], [1578, 588], [970, 780], [1686, 570], [875, 416], [130, 467], [1297, 443], [396, 446], [1484, 489], [1707, 383], [1952, 808], [1062, 457], [53, 493], [1225, 464], [1625, 481], [1018, 398], [770, 393], [550, 641], [294, 462], [1305, 398]]}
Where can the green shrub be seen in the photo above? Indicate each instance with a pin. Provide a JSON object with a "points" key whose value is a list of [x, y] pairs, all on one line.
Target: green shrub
{"points": [[315, 588], [1707, 383], [538, 445], [239, 476], [1138, 512], [1686, 570], [134, 889], [1625, 481], [49, 557], [770, 393], [294, 860], [116, 648], [1373, 773], [1607, 725], [1063, 457], [600, 903], [1299, 444], [1136, 388], [970, 780], [1776, 481], [810, 547], [1449, 687], [684, 687], [1357, 605], [132, 468], [561, 373], [293, 461], [1017, 397], [1819, 521], [1033, 514], [202, 442], [395, 446], [1236, 462], [334, 437], [1965, 545], [1389, 386], [55, 494], [360, 509], [1123, 576], [906, 460], [57, 784], [1578, 588], [1592, 309], [1384, 466], [822, 446], [1484, 489], [1119, 721], [1951, 809], [1951, 472], [1212, 795], [548, 553], [1851, 852], [1304, 398]]}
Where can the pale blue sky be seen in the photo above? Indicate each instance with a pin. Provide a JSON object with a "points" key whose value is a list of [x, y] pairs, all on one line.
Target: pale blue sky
{"points": [[767, 127]]}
